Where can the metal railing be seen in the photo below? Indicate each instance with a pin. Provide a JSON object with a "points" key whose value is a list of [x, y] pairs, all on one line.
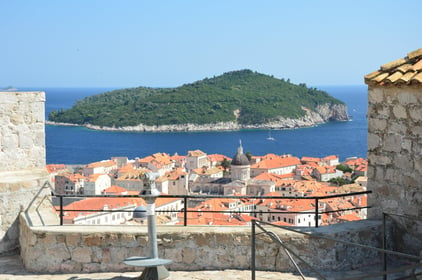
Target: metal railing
{"points": [[317, 199], [290, 253]]}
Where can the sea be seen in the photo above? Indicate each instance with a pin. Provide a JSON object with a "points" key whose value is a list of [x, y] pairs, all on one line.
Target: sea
{"points": [[79, 145]]}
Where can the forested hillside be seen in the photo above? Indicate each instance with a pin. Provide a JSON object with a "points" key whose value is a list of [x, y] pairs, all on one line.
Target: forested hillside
{"points": [[244, 96]]}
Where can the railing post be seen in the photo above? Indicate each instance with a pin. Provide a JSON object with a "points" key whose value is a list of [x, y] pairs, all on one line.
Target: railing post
{"points": [[185, 211], [384, 245], [61, 210], [316, 212], [253, 250]]}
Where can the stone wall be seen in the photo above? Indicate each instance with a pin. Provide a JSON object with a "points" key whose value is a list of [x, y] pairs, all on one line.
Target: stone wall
{"points": [[22, 159], [22, 129], [103, 248], [395, 150]]}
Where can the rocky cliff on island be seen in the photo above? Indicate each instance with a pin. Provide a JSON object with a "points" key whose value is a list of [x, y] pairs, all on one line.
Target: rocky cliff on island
{"points": [[324, 114], [235, 100]]}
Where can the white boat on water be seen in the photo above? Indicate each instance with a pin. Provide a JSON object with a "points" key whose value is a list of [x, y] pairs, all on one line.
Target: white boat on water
{"points": [[270, 137]]}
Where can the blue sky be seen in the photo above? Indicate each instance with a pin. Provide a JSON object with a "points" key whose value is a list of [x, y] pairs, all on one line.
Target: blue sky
{"points": [[87, 43]]}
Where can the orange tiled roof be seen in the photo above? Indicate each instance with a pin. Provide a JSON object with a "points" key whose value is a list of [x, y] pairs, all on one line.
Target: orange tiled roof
{"points": [[176, 157], [134, 174], [207, 218], [349, 217], [97, 203], [310, 159], [277, 162], [126, 168], [407, 70], [73, 177], [332, 157], [196, 153], [172, 175], [114, 190], [94, 177], [52, 168], [218, 157]]}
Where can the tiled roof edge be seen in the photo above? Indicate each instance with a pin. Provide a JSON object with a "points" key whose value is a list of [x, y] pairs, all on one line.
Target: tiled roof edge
{"points": [[407, 70]]}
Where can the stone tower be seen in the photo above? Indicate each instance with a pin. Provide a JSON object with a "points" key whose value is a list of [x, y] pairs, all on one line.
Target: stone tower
{"points": [[395, 137], [240, 166], [22, 159]]}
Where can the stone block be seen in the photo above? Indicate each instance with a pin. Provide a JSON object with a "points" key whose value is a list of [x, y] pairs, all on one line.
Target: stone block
{"points": [[73, 240], [118, 254], [375, 95], [403, 162], [415, 114], [406, 98], [81, 255], [128, 240], [392, 143], [374, 141], [379, 159], [418, 166], [378, 111], [58, 254], [375, 125], [188, 255], [398, 127], [399, 112]]}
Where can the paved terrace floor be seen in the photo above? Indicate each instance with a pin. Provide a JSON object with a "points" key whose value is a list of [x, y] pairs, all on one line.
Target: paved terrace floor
{"points": [[11, 267]]}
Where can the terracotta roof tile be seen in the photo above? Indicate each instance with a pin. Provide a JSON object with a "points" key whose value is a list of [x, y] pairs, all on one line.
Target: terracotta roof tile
{"points": [[417, 78], [415, 54], [407, 70], [407, 77]]}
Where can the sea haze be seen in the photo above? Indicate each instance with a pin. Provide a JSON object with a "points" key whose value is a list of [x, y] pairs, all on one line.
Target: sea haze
{"points": [[78, 145]]}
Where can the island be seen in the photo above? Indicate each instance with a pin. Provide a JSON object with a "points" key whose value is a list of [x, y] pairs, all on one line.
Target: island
{"points": [[235, 100]]}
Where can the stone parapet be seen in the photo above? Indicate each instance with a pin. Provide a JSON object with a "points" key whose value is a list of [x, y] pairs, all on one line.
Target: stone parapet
{"points": [[72, 249], [18, 189]]}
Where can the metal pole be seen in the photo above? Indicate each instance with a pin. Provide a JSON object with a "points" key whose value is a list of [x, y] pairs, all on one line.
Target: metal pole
{"points": [[384, 245], [253, 246], [154, 266], [185, 211], [152, 232], [316, 212], [61, 210]]}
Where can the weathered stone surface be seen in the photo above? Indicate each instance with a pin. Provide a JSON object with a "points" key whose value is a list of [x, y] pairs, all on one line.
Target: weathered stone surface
{"points": [[82, 255], [392, 143], [407, 98], [375, 95], [394, 172], [22, 122], [374, 141], [377, 124], [399, 112], [190, 248]]}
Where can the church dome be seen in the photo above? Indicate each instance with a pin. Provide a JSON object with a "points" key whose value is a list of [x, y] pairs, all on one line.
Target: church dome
{"points": [[239, 158]]}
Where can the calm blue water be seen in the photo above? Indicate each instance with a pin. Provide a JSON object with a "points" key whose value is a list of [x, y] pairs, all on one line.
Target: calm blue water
{"points": [[73, 145]]}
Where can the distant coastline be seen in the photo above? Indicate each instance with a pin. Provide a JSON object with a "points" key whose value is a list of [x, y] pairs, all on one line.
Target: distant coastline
{"points": [[9, 89], [221, 126]]}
